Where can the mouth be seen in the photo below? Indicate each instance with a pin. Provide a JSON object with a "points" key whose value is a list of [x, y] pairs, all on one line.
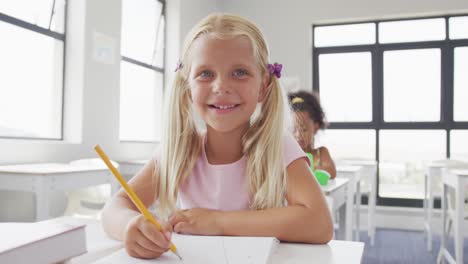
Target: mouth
{"points": [[223, 108]]}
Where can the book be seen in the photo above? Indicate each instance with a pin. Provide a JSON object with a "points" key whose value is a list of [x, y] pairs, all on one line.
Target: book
{"points": [[47, 241], [208, 249]]}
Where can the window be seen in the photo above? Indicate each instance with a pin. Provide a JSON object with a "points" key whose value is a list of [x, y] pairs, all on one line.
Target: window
{"points": [[410, 77], [403, 156], [412, 30], [458, 26], [32, 59], [460, 84], [341, 35], [141, 70], [350, 76], [400, 100], [459, 144]]}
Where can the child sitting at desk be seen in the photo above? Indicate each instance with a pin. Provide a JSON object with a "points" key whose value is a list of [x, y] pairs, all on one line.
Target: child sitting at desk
{"points": [[308, 119], [244, 176]]}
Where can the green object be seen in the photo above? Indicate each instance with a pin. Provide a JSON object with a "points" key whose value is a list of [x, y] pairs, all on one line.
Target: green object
{"points": [[321, 175]]}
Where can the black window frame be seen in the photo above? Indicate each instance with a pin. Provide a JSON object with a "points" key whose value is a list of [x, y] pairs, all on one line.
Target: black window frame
{"points": [[55, 35], [377, 49]]}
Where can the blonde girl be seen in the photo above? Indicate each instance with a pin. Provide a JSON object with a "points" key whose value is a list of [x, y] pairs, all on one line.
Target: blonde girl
{"points": [[244, 175]]}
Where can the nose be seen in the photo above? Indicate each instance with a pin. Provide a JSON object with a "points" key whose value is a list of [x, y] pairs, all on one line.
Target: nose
{"points": [[221, 85]]}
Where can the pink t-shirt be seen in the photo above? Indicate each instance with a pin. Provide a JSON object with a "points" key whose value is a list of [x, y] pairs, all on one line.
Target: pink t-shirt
{"points": [[225, 187]]}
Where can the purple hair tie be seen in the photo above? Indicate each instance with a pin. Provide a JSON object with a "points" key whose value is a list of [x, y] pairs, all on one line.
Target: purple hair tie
{"points": [[275, 69], [178, 66]]}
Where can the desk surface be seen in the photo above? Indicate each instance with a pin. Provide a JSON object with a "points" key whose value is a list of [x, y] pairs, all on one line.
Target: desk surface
{"points": [[47, 168], [348, 168], [335, 184], [99, 246], [460, 172], [362, 162]]}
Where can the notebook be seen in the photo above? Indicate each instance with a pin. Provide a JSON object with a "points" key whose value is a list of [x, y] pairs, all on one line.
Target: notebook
{"points": [[41, 242], [208, 249]]}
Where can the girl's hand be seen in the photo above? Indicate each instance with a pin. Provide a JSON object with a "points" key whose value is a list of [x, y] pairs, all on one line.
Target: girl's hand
{"points": [[142, 239], [197, 221]]}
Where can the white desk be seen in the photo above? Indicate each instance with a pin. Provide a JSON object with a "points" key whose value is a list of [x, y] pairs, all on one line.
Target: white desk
{"points": [[455, 179], [128, 168], [353, 173], [99, 246], [41, 178], [369, 171], [433, 170], [336, 189]]}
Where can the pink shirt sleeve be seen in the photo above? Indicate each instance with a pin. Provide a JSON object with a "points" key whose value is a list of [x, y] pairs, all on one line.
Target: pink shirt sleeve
{"points": [[292, 150]]}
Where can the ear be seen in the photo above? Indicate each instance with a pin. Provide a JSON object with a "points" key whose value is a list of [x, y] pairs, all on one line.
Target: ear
{"points": [[264, 88]]}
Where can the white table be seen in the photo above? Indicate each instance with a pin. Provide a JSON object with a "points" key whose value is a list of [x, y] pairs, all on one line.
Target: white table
{"points": [[354, 174], [99, 246], [433, 170], [455, 179], [369, 171], [336, 189], [128, 168], [42, 178]]}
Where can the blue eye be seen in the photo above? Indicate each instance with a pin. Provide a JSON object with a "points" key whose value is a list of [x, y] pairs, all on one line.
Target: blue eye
{"points": [[206, 74], [240, 73]]}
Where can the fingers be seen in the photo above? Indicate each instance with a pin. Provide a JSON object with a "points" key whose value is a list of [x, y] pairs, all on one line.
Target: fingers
{"points": [[151, 232], [148, 244], [182, 227], [139, 251], [177, 217]]}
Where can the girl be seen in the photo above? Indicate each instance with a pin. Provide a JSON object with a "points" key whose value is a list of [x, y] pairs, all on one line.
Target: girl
{"points": [[243, 176], [309, 118]]}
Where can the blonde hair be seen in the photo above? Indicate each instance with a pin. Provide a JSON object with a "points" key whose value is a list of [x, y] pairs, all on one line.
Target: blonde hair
{"points": [[262, 144]]}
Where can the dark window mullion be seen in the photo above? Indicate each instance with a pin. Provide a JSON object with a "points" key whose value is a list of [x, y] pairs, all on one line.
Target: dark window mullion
{"points": [[142, 64], [26, 25]]}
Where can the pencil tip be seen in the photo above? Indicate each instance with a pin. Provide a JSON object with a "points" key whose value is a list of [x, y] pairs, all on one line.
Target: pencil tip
{"points": [[177, 254]]}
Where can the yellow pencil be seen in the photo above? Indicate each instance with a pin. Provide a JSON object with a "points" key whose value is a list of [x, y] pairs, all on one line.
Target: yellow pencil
{"points": [[132, 194]]}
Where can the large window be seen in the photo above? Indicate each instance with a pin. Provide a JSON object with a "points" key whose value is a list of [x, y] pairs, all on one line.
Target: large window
{"points": [[32, 45], [395, 91], [141, 70]]}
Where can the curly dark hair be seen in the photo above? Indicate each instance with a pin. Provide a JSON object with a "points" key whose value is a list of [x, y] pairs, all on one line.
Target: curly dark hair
{"points": [[311, 105]]}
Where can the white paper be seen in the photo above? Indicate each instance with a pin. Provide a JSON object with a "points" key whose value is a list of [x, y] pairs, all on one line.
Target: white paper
{"points": [[208, 249]]}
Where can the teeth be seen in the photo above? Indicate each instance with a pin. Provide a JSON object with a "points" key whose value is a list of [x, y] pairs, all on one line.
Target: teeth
{"points": [[225, 106]]}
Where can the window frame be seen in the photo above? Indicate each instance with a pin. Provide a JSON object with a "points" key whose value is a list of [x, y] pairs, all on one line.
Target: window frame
{"points": [[377, 123], [55, 35], [149, 66]]}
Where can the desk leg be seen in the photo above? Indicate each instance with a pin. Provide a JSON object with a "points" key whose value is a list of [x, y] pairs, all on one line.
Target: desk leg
{"points": [[342, 222], [443, 242], [349, 208], [371, 205], [42, 198], [459, 212], [358, 208]]}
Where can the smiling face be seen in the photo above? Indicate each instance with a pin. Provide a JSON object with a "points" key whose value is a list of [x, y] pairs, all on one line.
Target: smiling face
{"points": [[225, 81]]}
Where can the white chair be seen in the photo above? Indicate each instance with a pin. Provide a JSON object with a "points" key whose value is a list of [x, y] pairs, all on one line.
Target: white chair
{"points": [[432, 188], [88, 202], [453, 199]]}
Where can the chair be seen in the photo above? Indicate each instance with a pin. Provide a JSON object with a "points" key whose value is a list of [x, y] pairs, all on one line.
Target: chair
{"points": [[88, 202], [432, 188], [452, 196]]}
